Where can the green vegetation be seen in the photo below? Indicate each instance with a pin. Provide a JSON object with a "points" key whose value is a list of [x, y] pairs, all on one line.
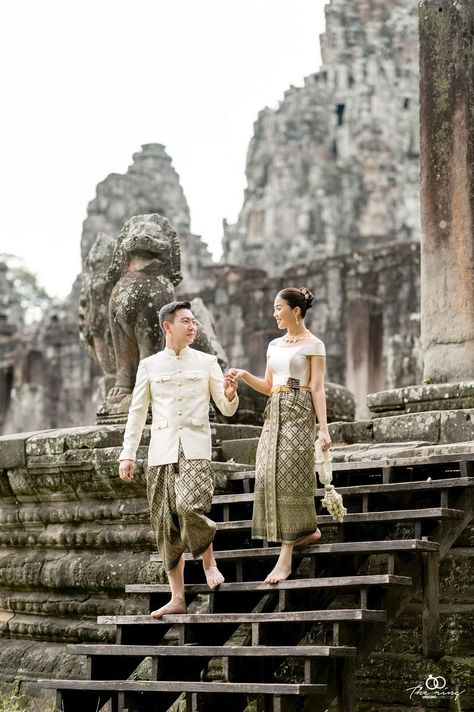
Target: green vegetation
{"points": [[33, 298], [12, 703]]}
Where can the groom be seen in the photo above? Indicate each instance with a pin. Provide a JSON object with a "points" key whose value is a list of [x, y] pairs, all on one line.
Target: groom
{"points": [[178, 383]]}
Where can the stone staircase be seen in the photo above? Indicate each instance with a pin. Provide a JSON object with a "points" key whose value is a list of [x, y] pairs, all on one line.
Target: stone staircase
{"points": [[295, 645]]}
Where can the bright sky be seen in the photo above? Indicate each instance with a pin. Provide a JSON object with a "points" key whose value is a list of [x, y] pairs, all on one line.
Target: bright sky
{"points": [[85, 83]]}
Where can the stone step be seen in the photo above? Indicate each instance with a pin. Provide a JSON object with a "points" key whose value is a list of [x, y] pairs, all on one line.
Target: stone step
{"points": [[215, 651], [230, 468], [362, 615], [346, 548], [144, 686], [235, 431], [404, 515], [242, 451], [342, 582]]}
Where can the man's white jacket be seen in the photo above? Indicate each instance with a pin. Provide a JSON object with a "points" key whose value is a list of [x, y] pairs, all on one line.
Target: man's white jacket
{"points": [[179, 388]]}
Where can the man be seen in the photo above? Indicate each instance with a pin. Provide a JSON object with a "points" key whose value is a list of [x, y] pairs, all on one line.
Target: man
{"points": [[178, 382]]}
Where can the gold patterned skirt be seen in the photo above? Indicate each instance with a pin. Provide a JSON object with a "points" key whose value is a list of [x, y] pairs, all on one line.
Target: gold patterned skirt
{"points": [[285, 483], [179, 496]]}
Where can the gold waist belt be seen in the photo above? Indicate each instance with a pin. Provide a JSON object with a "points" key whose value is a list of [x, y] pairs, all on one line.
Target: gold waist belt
{"points": [[287, 389]]}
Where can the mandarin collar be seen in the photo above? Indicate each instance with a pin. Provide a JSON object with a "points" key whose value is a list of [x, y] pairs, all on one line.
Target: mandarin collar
{"points": [[172, 353]]}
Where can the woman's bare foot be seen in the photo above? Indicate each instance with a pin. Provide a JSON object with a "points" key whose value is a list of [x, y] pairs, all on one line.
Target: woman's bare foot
{"points": [[279, 573], [176, 605], [214, 577], [310, 539]]}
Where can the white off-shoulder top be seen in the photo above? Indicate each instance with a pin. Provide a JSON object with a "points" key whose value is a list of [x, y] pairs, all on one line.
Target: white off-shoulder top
{"points": [[292, 361]]}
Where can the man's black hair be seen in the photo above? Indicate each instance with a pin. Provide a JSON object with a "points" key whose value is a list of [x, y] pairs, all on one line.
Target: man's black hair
{"points": [[167, 312]]}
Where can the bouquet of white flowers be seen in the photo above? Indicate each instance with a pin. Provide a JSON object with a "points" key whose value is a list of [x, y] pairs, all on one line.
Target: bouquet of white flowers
{"points": [[332, 500]]}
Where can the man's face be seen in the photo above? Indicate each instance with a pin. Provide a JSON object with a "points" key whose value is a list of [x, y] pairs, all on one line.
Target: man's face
{"points": [[183, 328]]}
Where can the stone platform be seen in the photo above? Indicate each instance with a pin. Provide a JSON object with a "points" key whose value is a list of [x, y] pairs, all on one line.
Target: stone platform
{"points": [[422, 398], [72, 535]]}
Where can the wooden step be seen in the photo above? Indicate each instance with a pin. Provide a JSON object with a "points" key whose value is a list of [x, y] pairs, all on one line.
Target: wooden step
{"points": [[362, 615], [217, 651], [355, 490], [381, 464], [400, 462], [292, 584], [348, 548], [400, 515], [245, 688]]}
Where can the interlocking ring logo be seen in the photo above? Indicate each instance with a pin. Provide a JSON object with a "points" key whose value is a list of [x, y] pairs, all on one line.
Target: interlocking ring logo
{"points": [[435, 683]]}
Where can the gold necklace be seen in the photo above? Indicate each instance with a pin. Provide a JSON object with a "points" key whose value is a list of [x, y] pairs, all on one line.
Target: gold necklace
{"points": [[293, 339]]}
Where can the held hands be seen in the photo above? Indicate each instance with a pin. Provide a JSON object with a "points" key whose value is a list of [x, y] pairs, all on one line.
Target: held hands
{"points": [[231, 379], [126, 470], [232, 376], [324, 439]]}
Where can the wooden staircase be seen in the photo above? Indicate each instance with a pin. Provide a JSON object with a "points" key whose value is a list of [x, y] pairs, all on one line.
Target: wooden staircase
{"points": [[295, 645]]}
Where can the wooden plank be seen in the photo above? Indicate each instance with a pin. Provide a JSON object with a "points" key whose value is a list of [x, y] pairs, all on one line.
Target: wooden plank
{"points": [[350, 547], [402, 515], [213, 651], [467, 468], [345, 676], [245, 475], [356, 614], [353, 490], [248, 688], [367, 464], [246, 586], [430, 606]]}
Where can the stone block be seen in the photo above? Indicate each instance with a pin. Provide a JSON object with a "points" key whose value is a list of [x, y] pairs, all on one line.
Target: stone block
{"points": [[243, 451], [422, 398], [391, 400], [414, 426], [230, 431], [13, 449], [95, 437], [457, 426], [50, 442], [359, 431]]}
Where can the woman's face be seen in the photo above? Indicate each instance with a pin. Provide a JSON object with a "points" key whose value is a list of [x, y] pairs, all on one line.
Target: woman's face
{"points": [[285, 316]]}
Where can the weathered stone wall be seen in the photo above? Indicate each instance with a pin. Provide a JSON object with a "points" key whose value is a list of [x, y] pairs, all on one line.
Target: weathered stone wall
{"points": [[72, 535], [11, 329], [336, 166], [366, 311]]}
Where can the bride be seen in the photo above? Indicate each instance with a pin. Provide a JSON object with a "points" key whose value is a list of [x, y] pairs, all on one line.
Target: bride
{"points": [[284, 509]]}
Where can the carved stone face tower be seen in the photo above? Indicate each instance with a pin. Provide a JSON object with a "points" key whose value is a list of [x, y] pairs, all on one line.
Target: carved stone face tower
{"points": [[151, 185], [335, 167]]}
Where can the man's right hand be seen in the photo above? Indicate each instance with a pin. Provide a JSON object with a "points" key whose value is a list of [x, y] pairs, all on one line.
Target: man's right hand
{"points": [[126, 470]]}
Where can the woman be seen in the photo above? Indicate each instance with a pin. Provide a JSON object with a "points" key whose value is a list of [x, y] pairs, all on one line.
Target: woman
{"points": [[284, 509]]}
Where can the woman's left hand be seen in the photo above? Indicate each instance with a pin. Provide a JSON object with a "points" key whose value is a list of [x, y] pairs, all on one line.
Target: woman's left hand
{"points": [[324, 439]]}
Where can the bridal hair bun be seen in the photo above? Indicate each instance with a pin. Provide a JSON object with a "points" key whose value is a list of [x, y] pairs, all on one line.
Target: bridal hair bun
{"points": [[308, 296]]}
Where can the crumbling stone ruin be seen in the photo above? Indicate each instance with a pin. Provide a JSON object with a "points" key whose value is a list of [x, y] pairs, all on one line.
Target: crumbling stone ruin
{"points": [[331, 202], [335, 168]]}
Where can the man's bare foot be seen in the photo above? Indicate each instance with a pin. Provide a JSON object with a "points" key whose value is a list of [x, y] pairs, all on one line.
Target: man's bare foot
{"points": [[175, 606], [310, 539], [214, 577], [279, 573]]}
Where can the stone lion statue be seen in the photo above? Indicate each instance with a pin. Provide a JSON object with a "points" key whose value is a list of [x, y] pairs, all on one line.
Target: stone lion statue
{"points": [[145, 267], [94, 327]]}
